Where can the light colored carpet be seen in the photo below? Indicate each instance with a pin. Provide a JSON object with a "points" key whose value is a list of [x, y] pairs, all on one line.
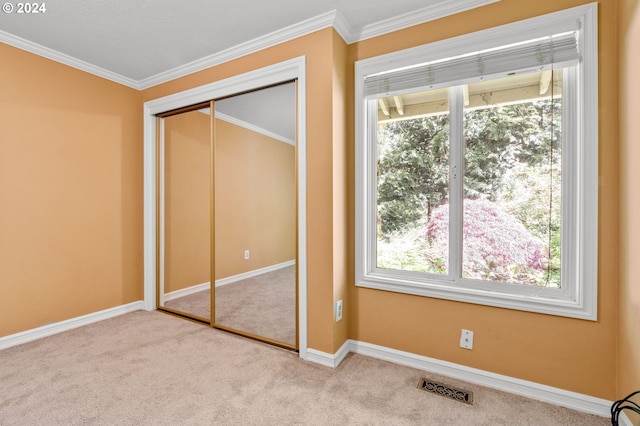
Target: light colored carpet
{"points": [[263, 305], [149, 368]]}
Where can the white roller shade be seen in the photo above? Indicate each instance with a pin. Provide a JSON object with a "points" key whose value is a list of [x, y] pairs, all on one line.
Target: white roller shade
{"points": [[556, 51]]}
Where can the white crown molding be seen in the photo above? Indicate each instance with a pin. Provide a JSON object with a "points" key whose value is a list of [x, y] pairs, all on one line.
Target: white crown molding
{"points": [[342, 27], [291, 32], [249, 126], [70, 324], [254, 128], [330, 19], [65, 59], [537, 391], [429, 13]]}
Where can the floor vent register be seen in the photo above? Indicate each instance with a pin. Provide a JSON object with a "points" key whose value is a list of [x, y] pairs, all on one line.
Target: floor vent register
{"points": [[446, 391]]}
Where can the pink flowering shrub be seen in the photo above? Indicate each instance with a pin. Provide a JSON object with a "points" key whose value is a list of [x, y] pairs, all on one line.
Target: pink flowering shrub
{"points": [[496, 245]]}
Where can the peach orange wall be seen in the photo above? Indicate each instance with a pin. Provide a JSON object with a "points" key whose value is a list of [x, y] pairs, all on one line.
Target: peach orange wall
{"points": [[255, 200], [70, 192], [341, 230], [187, 181], [318, 50], [571, 354], [629, 303], [71, 217]]}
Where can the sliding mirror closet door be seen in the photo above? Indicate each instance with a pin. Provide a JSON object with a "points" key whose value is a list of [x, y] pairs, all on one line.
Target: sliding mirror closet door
{"points": [[184, 212], [255, 214]]}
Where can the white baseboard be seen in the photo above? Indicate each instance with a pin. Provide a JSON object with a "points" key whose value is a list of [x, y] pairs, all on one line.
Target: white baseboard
{"points": [[624, 420], [552, 395], [326, 359], [187, 291], [228, 280], [254, 273], [70, 324]]}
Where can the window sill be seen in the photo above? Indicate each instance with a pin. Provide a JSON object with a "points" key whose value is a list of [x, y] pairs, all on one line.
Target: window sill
{"points": [[530, 299]]}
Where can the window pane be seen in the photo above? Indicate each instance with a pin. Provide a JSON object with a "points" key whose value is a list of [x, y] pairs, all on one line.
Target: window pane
{"points": [[512, 180], [413, 182]]}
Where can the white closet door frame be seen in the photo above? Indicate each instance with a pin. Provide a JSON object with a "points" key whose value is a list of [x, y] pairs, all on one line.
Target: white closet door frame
{"points": [[277, 73]]}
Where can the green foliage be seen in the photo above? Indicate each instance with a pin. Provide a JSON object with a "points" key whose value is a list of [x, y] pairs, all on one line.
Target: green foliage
{"points": [[512, 158], [405, 251], [412, 170], [414, 157], [533, 196], [498, 139]]}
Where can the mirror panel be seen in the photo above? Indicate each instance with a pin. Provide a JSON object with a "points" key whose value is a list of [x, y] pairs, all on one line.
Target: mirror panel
{"points": [[255, 214], [185, 218], [246, 225]]}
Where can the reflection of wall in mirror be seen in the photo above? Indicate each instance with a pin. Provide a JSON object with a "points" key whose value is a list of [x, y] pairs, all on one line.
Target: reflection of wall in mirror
{"points": [[255, 200], [187, 223]]}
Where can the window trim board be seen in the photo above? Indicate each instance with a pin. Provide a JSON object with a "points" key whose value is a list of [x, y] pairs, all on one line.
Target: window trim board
{"points": [[582, 303]]}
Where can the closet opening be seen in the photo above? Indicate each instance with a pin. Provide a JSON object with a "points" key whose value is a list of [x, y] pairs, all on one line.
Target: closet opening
{"points": [[227, 216], [163, 111]]}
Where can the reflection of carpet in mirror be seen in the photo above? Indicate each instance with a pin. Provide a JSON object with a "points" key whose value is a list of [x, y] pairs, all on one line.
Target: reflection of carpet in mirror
{"points": [[263, 305], [195, 304]]}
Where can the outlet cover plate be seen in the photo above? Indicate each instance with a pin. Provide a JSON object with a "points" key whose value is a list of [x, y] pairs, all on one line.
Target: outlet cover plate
{"points": [[466, 339]]}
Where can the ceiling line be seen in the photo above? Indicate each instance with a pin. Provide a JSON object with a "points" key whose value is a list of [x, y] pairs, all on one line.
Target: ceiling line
{"points": [[409, 19], [65, 59], [274, 38], [329, 19]]}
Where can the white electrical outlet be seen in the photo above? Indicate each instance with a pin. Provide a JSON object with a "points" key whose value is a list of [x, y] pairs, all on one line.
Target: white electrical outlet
{"points": [[338, 310], [466, 339], [246, 255]]}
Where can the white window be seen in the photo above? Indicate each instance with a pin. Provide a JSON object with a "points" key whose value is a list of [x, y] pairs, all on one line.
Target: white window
{"points": [[477, 169]]}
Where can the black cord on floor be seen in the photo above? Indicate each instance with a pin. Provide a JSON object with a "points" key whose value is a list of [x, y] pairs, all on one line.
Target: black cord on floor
{"points": [[623, 404]]}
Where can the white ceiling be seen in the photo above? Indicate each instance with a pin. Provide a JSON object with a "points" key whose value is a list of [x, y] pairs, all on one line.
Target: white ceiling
{"points": [[142, 43], [146, 42], [271, 111]]}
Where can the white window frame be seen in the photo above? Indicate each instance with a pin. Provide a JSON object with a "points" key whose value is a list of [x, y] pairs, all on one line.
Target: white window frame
{"points": [[578, 296]]}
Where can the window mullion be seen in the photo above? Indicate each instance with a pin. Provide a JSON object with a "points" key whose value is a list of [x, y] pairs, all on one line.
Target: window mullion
{"points": [[456, 177]]}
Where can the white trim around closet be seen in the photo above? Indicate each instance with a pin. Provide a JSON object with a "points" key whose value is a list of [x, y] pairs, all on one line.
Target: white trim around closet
{"points": [[273, 74]]}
